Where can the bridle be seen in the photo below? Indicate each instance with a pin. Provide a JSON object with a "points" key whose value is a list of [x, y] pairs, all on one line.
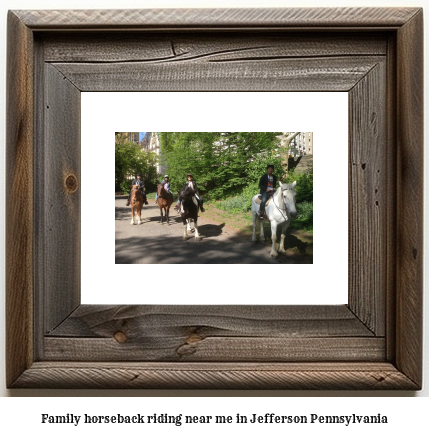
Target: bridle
{"points": [[279, 209]]}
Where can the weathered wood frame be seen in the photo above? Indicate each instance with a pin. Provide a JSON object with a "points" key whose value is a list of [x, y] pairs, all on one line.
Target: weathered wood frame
{"points": [[374, 342]]}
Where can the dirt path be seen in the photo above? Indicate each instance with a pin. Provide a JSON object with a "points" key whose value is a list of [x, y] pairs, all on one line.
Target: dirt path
{"points": [[152, 242]]}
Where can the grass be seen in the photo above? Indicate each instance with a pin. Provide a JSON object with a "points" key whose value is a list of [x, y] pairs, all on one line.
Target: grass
{"points": [[240, 206]]}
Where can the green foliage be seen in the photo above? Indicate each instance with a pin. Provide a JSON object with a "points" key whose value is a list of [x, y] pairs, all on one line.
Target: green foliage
{"points": [[235, 204], [304, 184], [222, 162], [131, 159], [125, 187], [304, 217], [304, 189]]}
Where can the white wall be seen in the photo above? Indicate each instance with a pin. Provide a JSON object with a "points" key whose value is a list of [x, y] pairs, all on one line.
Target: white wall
{"points": [[54, 4]]}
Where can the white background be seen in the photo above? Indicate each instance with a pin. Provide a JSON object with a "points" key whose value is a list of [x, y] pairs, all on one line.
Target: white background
{"points": [[103, 282], [21, 414]]}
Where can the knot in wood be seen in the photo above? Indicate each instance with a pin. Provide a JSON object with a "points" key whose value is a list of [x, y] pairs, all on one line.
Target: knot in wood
{"points": [[120, 337], [71, 183]]}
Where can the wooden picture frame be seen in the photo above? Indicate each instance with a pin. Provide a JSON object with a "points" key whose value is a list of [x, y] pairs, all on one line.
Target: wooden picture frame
{"points": [[373, 342]]}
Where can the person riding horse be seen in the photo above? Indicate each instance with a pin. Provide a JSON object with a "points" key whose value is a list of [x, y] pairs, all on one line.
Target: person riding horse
{"points": [[192, 184], [267, 186], [139, 182], [166, 185]]}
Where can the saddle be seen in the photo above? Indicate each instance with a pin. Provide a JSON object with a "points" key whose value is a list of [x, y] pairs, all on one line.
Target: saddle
{"points": [[259, 198]]}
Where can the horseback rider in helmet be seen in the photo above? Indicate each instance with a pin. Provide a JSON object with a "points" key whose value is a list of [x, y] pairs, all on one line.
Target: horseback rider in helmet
{"points": [[190, 182], [166, 185], [139, 182]]}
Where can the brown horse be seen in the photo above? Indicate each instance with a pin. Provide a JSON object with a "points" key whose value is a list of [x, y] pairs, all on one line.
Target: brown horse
{"points": [[136, 202], [164, 203]]}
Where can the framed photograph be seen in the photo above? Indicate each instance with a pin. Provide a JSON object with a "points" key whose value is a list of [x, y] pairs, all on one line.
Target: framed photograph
{"points": [[374, 341], [228, 245]]}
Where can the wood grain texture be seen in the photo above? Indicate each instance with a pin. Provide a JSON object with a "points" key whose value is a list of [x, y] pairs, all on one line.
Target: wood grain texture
{"points": [[110, 375], [173, 47], [213, 333], [368, 201], [218, 18], [330, 74], [61, 206], [178, 347], [19, 200], [374, 343], [409, 264], [99, 321]]}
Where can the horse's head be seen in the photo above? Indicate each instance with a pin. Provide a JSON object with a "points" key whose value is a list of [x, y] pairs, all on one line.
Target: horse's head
{"points": [[135, 193], [288, 194], [187, 193]]}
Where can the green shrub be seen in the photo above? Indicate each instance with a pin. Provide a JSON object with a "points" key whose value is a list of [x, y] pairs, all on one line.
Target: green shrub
{"points": [[125, 187], [304, 185], [239, 204], [304, 217]]}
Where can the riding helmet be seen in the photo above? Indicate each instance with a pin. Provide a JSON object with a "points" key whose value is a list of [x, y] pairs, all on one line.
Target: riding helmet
{"points": [[166, 176], [189, 174], [139, 175], [270, 166]]}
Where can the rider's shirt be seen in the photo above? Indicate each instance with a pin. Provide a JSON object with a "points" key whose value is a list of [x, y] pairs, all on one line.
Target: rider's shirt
{"points": [[270, 183], [139, 183]]}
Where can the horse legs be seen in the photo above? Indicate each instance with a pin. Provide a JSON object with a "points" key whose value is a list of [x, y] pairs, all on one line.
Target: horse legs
{"points": [[282, 238], [273, 238], [261, 230], [132, 217], [254, 227], [197, 235], [256, 220], [161, 216], [185, 231], [139, 217]]}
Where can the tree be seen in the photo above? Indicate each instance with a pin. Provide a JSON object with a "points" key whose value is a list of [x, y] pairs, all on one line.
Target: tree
{"points": [[219, 161], [285, 141], [131, 159]]}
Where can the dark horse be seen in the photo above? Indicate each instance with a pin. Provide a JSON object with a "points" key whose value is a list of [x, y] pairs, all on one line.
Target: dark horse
{"points": [[164, 203], [190, 211]]}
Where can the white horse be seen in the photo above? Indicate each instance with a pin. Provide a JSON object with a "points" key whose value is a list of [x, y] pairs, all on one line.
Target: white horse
{"points": [[280, 210]]}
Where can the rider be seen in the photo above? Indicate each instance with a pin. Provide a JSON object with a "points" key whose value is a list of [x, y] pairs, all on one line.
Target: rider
{"points": [[139, 182], [166, 185], [267, 186], [191, 183]]}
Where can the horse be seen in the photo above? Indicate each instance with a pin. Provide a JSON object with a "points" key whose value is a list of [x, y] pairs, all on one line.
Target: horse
{"points": [[189, 211], [164, 203], [280, 210], [136, 203]]}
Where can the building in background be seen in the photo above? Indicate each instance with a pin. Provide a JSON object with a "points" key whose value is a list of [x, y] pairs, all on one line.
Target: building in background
{"points": [[151, 142], [299, 150], [302, 144], [133, 136]]}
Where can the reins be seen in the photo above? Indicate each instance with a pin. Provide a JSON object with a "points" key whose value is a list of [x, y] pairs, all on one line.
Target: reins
{"points": [[280, 210]]}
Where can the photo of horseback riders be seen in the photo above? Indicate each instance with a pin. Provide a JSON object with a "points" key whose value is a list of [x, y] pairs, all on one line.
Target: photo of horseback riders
{"points": [[218, 189]]}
